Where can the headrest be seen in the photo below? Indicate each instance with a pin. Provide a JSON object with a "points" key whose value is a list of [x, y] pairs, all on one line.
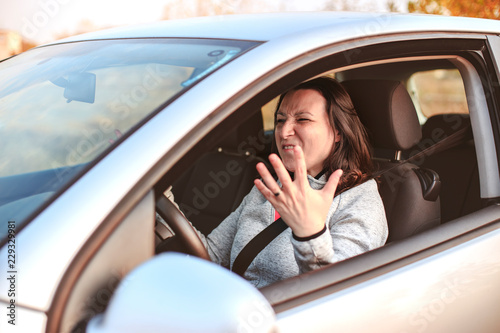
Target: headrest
{"points": [[387, 111]]}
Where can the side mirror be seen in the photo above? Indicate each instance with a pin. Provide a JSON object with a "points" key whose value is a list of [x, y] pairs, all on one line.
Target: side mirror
{"points": [[174, 292]]}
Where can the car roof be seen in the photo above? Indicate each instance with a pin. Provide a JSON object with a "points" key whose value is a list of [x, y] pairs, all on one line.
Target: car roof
{"points": [[270, 26]]}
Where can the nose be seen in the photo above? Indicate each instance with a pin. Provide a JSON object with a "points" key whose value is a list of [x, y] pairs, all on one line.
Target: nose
{"points": [[286, 129]]}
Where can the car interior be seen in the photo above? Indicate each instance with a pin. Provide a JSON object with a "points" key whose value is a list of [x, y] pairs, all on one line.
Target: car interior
{"points": [[418, 194], [456, 165]]}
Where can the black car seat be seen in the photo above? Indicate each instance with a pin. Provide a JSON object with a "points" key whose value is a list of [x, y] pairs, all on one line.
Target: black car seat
{"points": [[216, 184], [410, 194], [456, 166]]}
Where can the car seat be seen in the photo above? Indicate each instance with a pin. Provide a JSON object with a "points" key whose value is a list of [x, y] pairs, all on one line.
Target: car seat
{"points": [[217, 183], [456, 166], [410, 193]]}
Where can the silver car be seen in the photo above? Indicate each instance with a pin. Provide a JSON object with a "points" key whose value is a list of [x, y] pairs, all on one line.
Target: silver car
{"points": [[96, 129]]}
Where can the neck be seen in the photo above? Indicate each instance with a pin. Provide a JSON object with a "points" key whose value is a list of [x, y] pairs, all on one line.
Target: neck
{"points": [[321, 173]]}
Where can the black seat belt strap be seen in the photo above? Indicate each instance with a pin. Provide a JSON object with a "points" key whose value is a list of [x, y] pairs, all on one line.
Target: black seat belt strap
{"points": [[449, 142], [256, 245]]}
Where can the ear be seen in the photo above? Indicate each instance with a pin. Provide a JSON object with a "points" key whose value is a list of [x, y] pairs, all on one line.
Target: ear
{"points": [[337, 136]]}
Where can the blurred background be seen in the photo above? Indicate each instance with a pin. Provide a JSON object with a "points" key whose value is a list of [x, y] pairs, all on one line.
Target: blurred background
{"points": [[28, 23]]}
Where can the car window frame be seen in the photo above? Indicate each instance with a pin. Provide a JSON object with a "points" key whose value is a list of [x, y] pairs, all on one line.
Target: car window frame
{"points": [[492, 58]]}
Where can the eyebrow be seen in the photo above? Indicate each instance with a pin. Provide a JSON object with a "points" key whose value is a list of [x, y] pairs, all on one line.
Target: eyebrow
{"points": [[300, 113]]}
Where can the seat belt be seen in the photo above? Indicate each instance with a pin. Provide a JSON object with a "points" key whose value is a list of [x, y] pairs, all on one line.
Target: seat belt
{"points": [[257, 244], [450, 141], [266, 236]]}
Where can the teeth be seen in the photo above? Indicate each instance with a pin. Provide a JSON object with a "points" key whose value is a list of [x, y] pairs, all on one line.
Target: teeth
{"points": [[287, 147]]}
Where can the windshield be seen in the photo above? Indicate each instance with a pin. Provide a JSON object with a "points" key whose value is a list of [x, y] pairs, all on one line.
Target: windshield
{"points": [[62, 106]]}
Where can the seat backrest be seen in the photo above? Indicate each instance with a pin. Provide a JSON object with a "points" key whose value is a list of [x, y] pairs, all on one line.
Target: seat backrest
{"points": [[410, 194], [217, 183], [456, 166]]}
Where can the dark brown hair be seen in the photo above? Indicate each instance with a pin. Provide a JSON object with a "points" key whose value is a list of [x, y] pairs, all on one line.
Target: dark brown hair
{"points": [[352, 153]]}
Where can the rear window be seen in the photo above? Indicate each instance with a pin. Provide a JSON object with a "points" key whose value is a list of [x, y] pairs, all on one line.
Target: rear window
{"points": [[437, 92]]}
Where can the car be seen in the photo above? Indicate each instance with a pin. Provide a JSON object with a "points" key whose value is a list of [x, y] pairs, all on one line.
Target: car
{"points": [[97, 129]]}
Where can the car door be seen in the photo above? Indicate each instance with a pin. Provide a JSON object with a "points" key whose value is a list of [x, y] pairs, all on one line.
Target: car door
{"points": [[435, 281]]}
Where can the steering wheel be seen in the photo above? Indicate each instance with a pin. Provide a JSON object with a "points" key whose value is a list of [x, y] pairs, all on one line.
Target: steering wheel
{"points": [[181, 227]]}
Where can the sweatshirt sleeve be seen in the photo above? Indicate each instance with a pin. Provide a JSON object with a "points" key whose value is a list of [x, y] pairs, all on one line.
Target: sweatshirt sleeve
{"points": [[356, 223], [219, 242]]}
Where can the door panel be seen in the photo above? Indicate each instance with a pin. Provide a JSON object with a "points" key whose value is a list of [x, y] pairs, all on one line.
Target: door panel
{"points": [[452, 291]]}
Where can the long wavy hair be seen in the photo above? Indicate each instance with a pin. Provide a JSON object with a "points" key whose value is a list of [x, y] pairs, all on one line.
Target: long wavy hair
{"points": [[352, 153]]}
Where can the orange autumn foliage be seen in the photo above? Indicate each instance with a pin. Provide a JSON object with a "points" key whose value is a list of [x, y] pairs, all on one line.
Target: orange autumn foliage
{"points": [[474, 8]]}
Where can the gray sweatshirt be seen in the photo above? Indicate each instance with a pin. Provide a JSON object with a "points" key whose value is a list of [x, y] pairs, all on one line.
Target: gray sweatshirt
{"points": [[356, 223]]}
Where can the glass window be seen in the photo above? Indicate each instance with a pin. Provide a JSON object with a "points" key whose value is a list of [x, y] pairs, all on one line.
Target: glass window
{"points": [[436, 92], [268, 111], [64, 105]]}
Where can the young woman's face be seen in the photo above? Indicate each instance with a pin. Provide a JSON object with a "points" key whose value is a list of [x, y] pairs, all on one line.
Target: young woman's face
{"points": [[302, 121]]}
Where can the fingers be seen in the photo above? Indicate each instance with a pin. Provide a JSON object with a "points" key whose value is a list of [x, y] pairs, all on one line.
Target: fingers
{"points": [[331, 184], [280, 170], [263, 189], [269, 187], [300, 167]]}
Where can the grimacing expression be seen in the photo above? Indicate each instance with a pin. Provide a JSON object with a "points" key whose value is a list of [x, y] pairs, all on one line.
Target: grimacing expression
{"points": [[302, 121]]}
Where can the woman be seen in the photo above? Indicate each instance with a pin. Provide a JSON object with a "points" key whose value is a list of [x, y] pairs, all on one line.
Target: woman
{"points": [[323, 193]]}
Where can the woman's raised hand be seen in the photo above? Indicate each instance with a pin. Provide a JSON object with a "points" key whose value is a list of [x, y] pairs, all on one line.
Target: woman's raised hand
{"points": [[301, 207]]}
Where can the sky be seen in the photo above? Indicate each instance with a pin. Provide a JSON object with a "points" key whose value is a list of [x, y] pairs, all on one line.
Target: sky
{"points": [[42, 21]]}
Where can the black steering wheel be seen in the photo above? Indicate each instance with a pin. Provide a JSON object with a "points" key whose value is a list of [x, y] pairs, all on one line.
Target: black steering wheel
{"points": [[181, 227]]}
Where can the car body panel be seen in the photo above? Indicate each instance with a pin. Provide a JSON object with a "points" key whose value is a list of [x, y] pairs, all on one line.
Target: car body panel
{"points": [[427, 295], [274, 26]]}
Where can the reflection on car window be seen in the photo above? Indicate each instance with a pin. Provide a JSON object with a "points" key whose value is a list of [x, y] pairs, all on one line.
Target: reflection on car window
{"points": [[63, 105], [437, 92]]}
